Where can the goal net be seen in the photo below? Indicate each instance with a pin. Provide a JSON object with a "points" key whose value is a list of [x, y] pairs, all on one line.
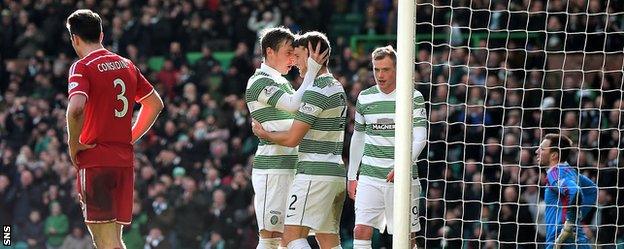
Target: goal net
{"points": [[497, 77]]}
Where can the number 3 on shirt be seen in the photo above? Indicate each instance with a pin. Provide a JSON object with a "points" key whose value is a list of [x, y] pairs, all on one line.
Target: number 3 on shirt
{"points": [[121, 97]]}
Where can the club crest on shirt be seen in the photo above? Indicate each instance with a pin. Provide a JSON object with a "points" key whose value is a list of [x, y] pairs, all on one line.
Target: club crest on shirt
{"points": [[270, 90], [307, 108], [72, 85]]}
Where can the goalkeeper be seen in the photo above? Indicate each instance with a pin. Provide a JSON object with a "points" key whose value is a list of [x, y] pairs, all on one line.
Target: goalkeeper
{"points": [[372, 152], [569, 195]]}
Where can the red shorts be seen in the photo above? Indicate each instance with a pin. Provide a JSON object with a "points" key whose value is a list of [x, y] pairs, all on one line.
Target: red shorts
{"points": [[106, 194]]}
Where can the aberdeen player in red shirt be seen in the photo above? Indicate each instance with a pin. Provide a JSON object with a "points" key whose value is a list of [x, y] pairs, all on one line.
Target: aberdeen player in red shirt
{"points": [[103, 88]]}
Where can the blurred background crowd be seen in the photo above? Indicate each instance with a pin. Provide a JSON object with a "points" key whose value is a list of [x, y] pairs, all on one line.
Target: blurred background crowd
{"points": [[489, 75]]}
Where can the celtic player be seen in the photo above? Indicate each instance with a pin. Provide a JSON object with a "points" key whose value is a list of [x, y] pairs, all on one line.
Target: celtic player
{"points": [[271, 100], [372, 151], [318, 191]]}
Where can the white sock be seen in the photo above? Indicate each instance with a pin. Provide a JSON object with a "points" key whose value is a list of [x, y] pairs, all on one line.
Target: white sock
{"points": [[268, 243], [362, 244], [282, 247], [299, 244]]}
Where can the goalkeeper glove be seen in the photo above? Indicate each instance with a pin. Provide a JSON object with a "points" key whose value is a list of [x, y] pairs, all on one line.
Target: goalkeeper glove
{"points": [[566, 232]]}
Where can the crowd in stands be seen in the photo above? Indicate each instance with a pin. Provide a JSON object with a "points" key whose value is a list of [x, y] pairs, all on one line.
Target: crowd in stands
{"points": [[488, 107]]}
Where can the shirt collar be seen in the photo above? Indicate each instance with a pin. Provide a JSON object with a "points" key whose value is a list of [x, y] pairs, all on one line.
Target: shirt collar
{"points": [[563, 164], [96, 51], [559, 166], [387, 94], [270, 71]]}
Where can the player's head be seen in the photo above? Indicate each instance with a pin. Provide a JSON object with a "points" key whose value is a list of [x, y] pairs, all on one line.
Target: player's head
{"points": [[384, 66], [555, 148], [85, 29], [301, 48], [277, 48]]}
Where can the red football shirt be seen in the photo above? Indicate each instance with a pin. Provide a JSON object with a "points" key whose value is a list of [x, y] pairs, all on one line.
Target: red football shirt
{"points": [[112, 84]]}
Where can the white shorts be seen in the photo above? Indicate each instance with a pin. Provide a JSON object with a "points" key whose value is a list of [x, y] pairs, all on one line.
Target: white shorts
{"points": [[374, 204], [270, 199], [316, 202]]}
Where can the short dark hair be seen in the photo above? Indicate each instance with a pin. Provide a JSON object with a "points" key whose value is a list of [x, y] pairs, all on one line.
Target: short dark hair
{"points": [[313, 37], [561, 144], [383, 52], [274, 37], [86, 24]]}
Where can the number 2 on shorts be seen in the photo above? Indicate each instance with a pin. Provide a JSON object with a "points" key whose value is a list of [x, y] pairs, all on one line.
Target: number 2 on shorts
{"points": [[294, 197]]}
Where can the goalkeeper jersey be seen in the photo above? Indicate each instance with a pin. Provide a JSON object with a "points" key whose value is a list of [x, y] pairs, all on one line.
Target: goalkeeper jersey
{"points": [[324, 108], [375, 116], [565, 188], [264, 89]]}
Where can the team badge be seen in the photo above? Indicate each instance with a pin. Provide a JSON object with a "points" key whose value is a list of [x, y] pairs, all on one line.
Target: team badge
{"points": [[72, 85]]}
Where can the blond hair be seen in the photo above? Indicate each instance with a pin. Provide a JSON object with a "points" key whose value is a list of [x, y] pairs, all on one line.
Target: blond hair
{"points": [[383, 52]]}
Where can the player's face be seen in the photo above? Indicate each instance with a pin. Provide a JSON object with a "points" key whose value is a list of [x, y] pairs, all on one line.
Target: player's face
{"points": [[543, 153], [284, 57], [385, 74], [301, 60]]}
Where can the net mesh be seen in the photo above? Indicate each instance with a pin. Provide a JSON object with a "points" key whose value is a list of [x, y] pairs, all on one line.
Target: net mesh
{"points": [[498, 76]]}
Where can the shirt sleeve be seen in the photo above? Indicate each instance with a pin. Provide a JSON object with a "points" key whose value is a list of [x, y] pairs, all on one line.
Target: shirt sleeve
{"points": [[78, 82], [144, 88], [360, 121], [419, 111], [312, 105], [265, 90], [590, 195], [356, 147]]}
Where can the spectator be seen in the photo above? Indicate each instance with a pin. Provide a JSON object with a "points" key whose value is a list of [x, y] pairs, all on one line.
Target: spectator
{"points": [[7, 199], [28, 198], [156, 240], [160, 214], [169, 77], [215, 242], [133, 233], [56, 227], [269, 19], [77, 239], [189, 212], [32, 232]]}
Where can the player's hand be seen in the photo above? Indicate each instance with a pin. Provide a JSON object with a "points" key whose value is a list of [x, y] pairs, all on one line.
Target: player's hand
{"points": [[257, 129], [316, 54], [75, 147], [390, 176], [566, 232], [351, 188]]}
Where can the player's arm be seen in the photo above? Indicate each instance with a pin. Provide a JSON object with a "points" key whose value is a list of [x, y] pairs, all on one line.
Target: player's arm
{"points": [[589, 189], [568, 190], [419, 124], [150, 108], [151, 105], [78, 95], [75, 117], [290, 138], [419, 130], [312, 106], [272, 95], [356, 149]]}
